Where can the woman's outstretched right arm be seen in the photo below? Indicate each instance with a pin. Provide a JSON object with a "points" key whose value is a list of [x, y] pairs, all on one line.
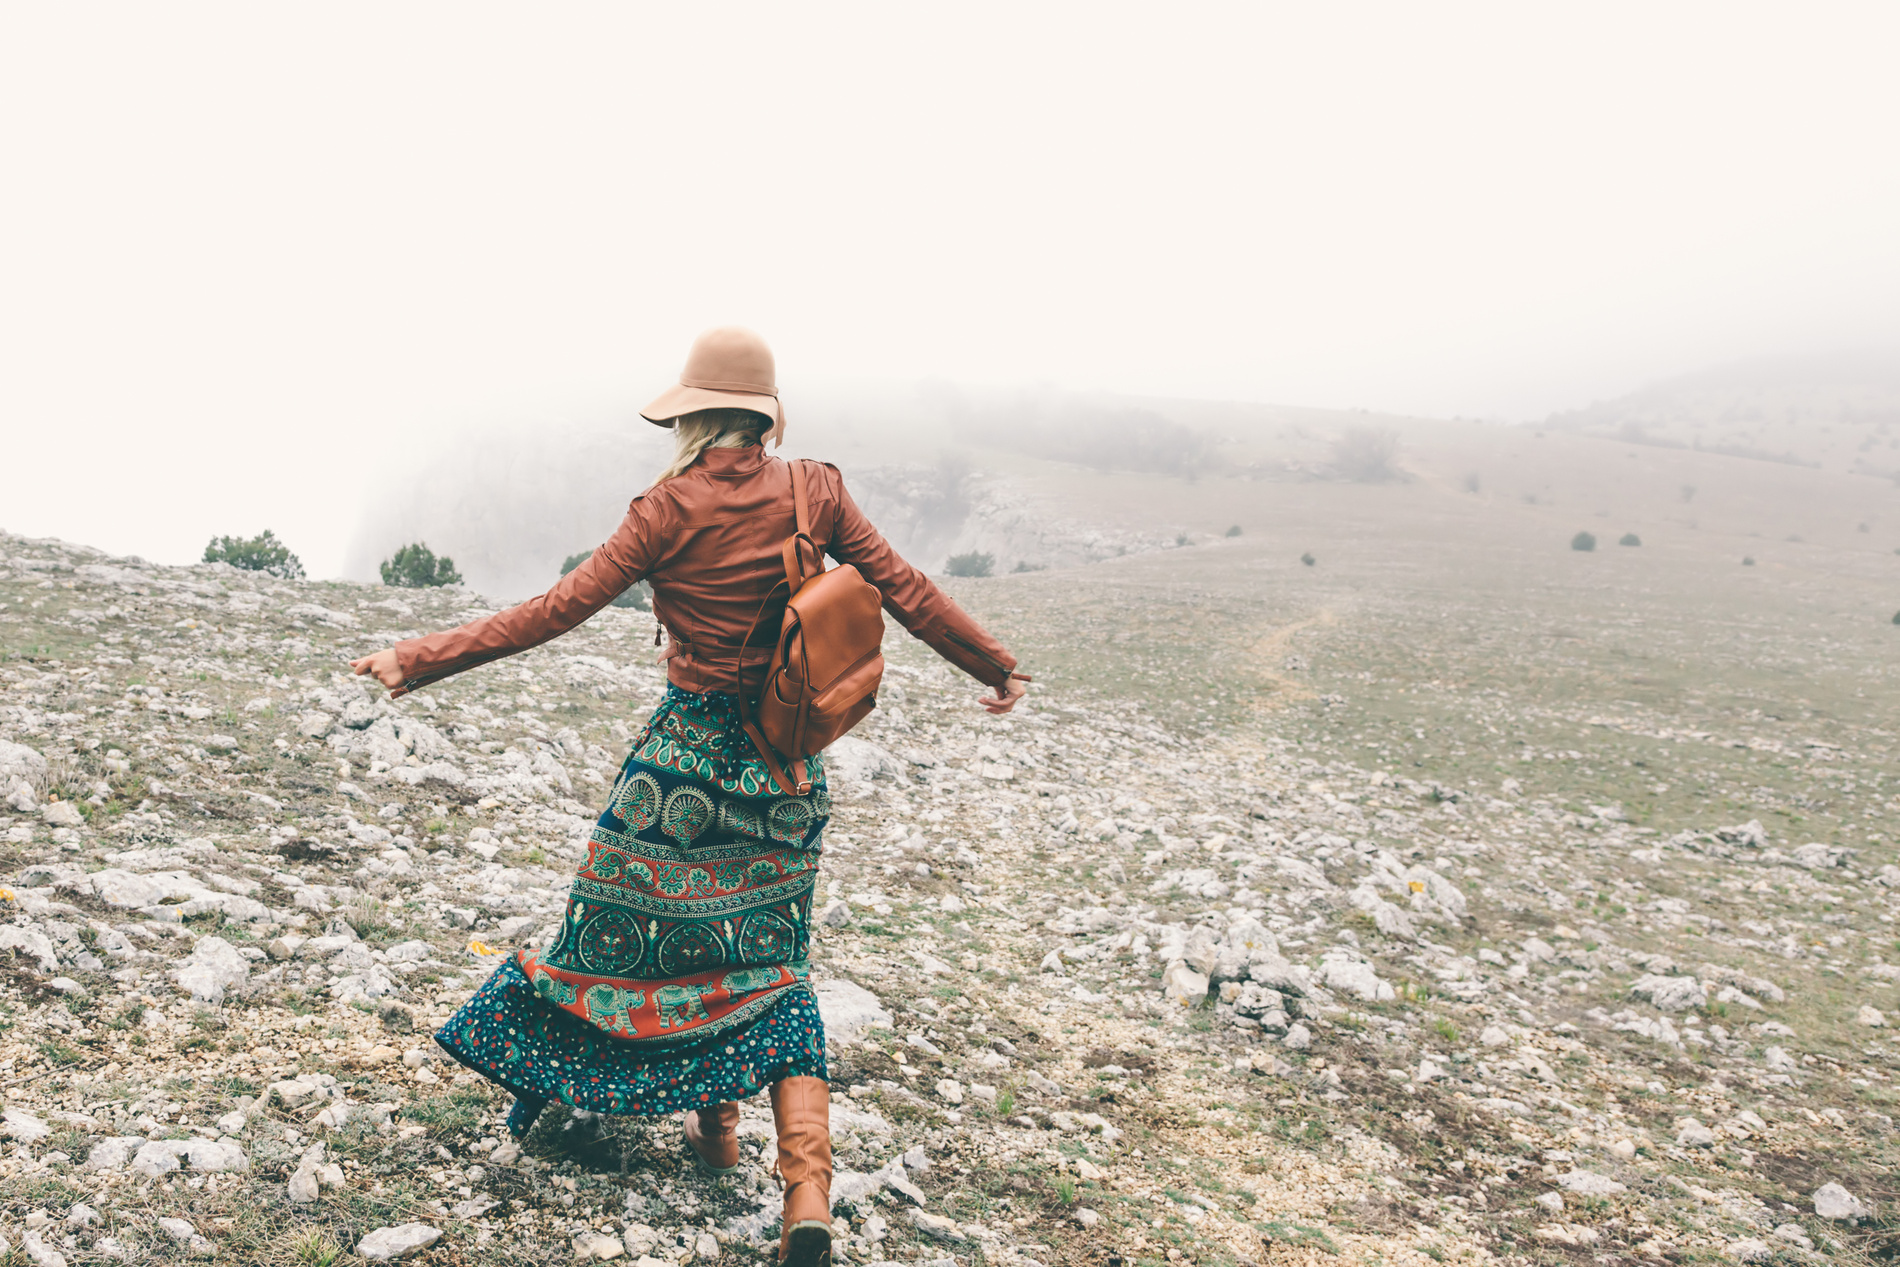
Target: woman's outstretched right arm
{"points": [[625, 558]]}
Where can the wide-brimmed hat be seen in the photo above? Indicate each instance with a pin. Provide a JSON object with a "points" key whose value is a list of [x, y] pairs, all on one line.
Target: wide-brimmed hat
{"points": [[729, 368]]}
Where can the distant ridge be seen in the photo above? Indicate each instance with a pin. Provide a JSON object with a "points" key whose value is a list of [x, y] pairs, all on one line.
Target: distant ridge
{"points": [[1838, 412]]}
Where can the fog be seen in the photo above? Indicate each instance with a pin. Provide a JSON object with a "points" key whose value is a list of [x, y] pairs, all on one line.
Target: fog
{"points": [[299, 268]]}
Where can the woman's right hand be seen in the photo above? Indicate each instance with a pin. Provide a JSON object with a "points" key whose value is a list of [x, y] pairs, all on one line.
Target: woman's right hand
{"points": [[1005, 698]]}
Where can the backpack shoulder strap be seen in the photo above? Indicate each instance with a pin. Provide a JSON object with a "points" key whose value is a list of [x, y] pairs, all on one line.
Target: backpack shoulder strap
{"points": [[793, 553], [801, 496]]}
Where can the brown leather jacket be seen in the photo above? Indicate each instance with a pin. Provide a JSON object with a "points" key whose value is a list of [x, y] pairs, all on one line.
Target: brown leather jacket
{"points": [[708, 541]]}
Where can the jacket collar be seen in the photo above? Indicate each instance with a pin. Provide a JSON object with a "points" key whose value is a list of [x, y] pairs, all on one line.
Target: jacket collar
{"points": [[731, 462]]}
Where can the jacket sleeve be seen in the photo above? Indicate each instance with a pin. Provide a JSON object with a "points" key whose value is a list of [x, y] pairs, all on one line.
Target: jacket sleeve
{"points": [[913, 598], [626, 557]]}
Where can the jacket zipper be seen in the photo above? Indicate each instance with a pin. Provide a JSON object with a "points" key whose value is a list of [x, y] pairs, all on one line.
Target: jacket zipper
{"points": [[979, 653]]}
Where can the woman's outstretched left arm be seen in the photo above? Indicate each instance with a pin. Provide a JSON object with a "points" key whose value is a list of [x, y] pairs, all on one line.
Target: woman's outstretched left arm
{"points": [[626, 557]]}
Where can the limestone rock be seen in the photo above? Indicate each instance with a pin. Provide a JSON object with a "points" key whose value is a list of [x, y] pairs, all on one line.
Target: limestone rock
{"points": [[17, 761], [217, 1156], [1831, 1201], [32, 942], [1587, 1183], [113, 1152], [1354, 977], [213, 966], [849, 1010], [1693, 1134], [302, 1187], [159, 1157], [27, 1128], [62, 814], [1670, 994], [854, 760], [386, 1244], [597, 1246], [185, 1234]]}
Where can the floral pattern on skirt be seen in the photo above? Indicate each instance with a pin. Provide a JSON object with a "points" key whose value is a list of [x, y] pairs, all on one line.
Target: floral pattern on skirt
{"points": [[538, 1051]]}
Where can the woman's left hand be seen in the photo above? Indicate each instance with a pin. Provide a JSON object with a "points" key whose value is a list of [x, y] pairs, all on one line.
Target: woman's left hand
{"points": [[383, 666]]}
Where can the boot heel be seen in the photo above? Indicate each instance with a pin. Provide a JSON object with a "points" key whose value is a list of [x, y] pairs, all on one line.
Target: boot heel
{"points": [[808, 1244], [716, 1150], [709, 1168]]}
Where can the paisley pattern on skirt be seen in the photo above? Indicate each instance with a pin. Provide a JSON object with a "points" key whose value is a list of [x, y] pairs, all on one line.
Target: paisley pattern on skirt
{"points": [[679, 967], [509, 1034], [692, 911]]}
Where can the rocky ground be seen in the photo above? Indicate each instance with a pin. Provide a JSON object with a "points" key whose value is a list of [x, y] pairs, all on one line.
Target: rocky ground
{"points": [[1104, 984]]}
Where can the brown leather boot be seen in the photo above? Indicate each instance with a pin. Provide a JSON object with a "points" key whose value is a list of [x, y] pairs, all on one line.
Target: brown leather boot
{"points": [[801, 1109], [713, 1135]]}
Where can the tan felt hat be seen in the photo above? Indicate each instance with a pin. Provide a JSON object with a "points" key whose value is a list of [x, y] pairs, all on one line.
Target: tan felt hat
{"points": [[729, 368]]}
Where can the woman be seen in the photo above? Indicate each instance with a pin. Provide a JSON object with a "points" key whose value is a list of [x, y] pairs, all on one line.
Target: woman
{"points": [[678, 979]]}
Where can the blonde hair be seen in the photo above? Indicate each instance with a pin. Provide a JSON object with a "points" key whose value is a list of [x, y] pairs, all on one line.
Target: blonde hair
{"points": [[694, 433]]}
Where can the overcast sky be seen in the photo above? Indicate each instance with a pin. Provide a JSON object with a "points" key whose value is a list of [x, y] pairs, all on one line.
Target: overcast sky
{"points": [[246, 251]]}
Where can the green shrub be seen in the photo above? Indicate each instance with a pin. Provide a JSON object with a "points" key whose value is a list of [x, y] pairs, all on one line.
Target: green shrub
{"points": [[1234, 531], [262, 553], [1748, 560], [975, 563], [1030, 567], [1630, 539], [314, 1247], [1896, 618], [1584, 541], [415, 567], [1308, 559], [636, 597]]}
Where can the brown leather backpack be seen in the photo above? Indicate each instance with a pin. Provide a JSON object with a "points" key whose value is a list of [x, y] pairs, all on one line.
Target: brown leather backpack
{"points": [[823, 676]]}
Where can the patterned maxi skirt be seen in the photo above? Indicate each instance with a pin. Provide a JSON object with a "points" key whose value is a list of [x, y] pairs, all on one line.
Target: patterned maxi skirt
{"points": [[679, 974]]}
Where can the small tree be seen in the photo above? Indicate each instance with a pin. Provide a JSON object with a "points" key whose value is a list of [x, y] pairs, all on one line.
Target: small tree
{"points": [[975, 563], [1365, 454], [416, 567], [635, 596], [1583, 541], [262, 553], [1630, 539]]}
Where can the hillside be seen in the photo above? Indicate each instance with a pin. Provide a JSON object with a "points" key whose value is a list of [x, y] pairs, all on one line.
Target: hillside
{"points": [[1453, 895], [1759, 460]]}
